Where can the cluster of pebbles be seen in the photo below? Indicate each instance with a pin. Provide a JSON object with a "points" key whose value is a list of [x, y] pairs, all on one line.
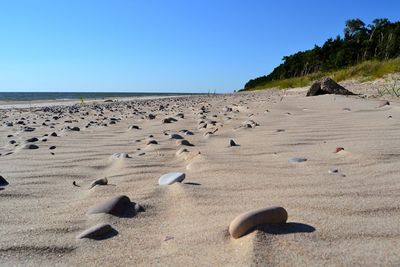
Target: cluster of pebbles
{"points": [[60, 120]]}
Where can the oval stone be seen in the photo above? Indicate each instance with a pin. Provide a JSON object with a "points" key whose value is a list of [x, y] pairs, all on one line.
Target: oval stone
{"points": [[246, 222], [30, 146], [171, 178]]}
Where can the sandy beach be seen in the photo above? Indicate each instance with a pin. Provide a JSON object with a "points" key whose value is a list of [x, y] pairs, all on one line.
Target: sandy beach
{"points": [[342, 200]]}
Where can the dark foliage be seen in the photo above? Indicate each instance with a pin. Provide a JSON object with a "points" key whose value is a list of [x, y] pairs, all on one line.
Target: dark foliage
{"points": [[379, 40]]}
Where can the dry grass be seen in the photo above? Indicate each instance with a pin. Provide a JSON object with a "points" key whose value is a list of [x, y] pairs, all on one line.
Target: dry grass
{"points": [[366, 71]]}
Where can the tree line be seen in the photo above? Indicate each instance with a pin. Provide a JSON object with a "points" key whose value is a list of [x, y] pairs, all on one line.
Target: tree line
{"points": [[360, 42]]}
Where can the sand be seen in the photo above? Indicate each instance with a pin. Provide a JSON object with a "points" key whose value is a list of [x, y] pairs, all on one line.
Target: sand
{"points": [[349, 217]]}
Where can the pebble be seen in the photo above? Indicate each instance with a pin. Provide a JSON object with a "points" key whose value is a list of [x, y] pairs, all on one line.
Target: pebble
{"points": [[100, 181], [98, 231], [170, 178], [175, 136], [117, 206], [31, 140], [134, 127], [30, 146], [74, 129], [246, 222], [53, 134], [184, 142], [29, 129], [333, 171], [152, 142], [52, 147], [3, 182], [121, 155], [297, 159], [338, 149], [169, 120], [232, 143], [189, 133]]}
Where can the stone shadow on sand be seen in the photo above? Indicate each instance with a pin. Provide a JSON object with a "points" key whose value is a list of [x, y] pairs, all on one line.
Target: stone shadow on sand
{"points": [[111, 234], [286, 228], [191, 183], [131, 211]]}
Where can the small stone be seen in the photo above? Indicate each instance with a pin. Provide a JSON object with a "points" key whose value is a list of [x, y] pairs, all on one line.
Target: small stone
{"points": [[246, 222], [52, 147], [169, 120], [98, 231], [30, 146], [175, 136], [73, 129], [54, 134], [183, 142], [152, 142], [333, 171], [232, 143], [297, 159], [120, 156], [31, 140], [3, 182], [29, 129], [134, 127], [100, 181], [170, 178], [338, 149]]}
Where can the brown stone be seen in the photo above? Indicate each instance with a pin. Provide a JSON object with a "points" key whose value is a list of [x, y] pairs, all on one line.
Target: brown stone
{"points": [[246, 222]]}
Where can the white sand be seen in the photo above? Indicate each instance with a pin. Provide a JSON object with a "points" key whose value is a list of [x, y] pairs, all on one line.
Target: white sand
{"points": [[334, 220]]}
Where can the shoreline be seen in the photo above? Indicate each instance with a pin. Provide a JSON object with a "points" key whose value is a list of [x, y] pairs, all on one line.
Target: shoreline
{"points": [[50, 103]]}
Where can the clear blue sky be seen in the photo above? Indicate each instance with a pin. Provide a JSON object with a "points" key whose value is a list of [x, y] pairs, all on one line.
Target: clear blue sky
{"points": [[162, 46]]}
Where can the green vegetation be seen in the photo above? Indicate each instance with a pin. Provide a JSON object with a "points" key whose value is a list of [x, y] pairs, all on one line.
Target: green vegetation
{"points": [[365, 51], [392, 88], [368, 70]]}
